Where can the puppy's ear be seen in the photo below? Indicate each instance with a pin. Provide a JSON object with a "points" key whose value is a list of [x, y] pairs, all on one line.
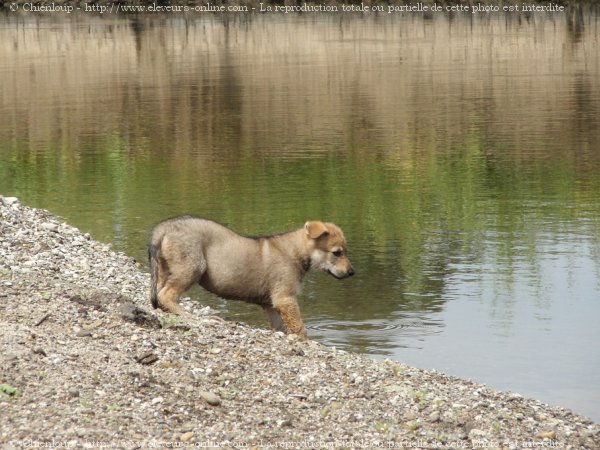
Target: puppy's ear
{"points": [[315, 229]]}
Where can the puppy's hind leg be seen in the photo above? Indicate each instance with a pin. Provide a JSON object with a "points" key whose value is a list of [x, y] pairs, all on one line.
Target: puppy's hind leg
{"points": [[168, 297], [181, 271], [176, 283]]}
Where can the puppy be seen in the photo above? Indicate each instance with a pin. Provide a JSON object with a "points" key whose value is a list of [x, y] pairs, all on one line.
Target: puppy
{"points": [[266, 271]]}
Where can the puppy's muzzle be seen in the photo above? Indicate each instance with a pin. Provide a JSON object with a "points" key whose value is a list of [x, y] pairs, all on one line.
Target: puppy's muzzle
{"points": [[341, 275]]}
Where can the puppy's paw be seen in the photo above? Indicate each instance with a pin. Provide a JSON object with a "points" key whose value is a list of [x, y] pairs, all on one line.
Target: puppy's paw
{"points": [[303, 334]]}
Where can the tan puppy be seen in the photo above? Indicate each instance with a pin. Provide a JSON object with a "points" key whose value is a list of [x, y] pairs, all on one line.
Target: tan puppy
{"points": [[266, 270]]}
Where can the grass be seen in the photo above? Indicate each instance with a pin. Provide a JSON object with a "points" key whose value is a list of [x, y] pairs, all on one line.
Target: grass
{"points": [[9, 390], [168, 321]]}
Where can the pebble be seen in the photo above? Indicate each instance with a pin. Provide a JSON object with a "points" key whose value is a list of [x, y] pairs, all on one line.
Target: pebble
{"points": [[187, 437], [147, 358], [547, 435], [283, 423], [434, 416], [73, 392], [39, 351], [476, 434], [10, 200], [50, 227], [210, 398]]}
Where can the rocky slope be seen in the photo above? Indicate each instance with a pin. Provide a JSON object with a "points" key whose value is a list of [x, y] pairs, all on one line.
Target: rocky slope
{"points": [[85, 362]]}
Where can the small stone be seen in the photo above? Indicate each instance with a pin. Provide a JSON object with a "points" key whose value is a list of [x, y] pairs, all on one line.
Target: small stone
{"points": [[157, 400], [83, 333], [434, 416], [73, 392], [147, 358], [10, 200], [284, 423], [409, 416], [186, 437], [547, 435], [42, 319], [39, 351], [356, 379], [413, 425], [49, 226], [210, 398], [476, 434], [297, 352], [93, 325]]}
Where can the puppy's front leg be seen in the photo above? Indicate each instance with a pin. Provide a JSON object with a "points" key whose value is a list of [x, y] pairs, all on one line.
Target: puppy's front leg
{"points": [[289, 313]]}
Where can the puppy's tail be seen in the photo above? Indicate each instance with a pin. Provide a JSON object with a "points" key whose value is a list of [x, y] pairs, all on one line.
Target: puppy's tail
{"points": [[153, 250]]}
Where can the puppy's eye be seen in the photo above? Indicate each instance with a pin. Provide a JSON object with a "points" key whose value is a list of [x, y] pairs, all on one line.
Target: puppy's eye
{"points": [[337, 253]]}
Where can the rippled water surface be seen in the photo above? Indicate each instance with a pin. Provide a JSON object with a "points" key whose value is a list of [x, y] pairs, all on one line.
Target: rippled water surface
{"points": [[460, 155]]}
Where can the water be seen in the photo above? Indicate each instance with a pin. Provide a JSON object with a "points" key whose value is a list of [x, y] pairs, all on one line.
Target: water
{"points": [[460, 155]]}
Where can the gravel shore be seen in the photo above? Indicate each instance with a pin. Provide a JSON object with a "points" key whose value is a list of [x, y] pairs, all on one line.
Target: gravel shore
{"points": [[85, 362]]}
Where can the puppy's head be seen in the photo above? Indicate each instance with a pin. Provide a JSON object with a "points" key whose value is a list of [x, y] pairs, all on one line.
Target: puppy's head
{"points": [[328, 249]]}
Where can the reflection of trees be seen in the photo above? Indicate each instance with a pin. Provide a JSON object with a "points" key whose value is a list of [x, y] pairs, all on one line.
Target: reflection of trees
{"points": [[575, 22]]}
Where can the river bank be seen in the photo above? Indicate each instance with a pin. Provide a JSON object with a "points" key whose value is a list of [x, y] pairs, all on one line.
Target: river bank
{"points": [[87, 363]]}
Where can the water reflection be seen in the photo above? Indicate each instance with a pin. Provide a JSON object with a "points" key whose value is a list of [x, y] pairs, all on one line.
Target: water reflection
{"points": [[459, 155], [377, 337]]}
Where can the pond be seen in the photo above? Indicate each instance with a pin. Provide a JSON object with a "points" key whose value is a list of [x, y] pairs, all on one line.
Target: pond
{"points": [[459, 154]]}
